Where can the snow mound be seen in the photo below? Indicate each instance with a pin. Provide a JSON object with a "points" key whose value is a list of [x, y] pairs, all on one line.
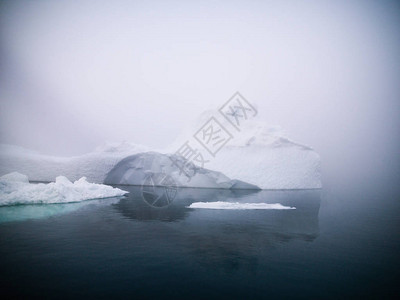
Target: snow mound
{"points": [[237, 205], [15, 189]]}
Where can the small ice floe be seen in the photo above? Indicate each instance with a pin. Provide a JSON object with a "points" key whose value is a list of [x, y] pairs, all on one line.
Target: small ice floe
{"points": [[238, 206], [15, 189]]}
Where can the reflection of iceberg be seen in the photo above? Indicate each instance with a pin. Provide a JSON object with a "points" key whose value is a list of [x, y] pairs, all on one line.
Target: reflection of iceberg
{"points": [[41, 211], [21, 200], [136, 208], [236, 237], [302, 221]]}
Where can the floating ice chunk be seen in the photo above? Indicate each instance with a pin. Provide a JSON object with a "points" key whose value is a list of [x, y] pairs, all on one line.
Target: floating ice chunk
{"points": [[16, 189], [237, 205]]}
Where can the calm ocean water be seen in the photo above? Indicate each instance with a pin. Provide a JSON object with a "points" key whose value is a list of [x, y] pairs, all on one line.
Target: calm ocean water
{"points": [[333, 245]]}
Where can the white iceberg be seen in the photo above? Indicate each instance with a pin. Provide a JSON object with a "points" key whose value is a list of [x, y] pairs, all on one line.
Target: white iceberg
{"points": [[38, 167], [237, 205], [258, 156], [136, 169], [15, 189]]}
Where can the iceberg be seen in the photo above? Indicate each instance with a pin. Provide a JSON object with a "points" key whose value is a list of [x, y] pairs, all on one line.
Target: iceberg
{"points": [[15, 189], [257, 157], [45, 168], [135, 169], [260, 154], [129, 166]]}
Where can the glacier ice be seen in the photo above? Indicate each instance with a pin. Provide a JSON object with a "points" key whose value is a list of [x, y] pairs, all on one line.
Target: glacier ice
{"points": [[261, 155], [237, 205], [134, 169], [258, 156], [115, 167], [16, 189]]}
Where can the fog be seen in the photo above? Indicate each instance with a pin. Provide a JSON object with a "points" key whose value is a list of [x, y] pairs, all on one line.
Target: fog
{"points": [[74, 75]]}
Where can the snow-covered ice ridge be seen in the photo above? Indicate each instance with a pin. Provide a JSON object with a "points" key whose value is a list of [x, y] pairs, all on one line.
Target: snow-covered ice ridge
{"points": [[257, 157], [15, 189]]}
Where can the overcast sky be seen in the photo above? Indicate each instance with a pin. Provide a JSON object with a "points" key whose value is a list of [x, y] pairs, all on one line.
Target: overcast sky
{"points": [[74, 74]]}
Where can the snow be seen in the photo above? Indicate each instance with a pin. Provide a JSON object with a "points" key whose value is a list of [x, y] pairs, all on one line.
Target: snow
{"points": [[15, 189], [237, 205]]}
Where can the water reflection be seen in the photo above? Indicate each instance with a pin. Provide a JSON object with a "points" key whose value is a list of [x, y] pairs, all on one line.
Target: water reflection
{"points": [[133, 239], [303, 220], [136, 208], [41, 211], [230, 239]]}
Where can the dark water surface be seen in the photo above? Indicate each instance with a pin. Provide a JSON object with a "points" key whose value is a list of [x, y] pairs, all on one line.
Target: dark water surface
{"points": [[333, 245]]}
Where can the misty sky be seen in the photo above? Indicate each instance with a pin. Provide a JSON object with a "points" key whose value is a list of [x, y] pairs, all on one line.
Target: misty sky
{"points": [[74, 74]]}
